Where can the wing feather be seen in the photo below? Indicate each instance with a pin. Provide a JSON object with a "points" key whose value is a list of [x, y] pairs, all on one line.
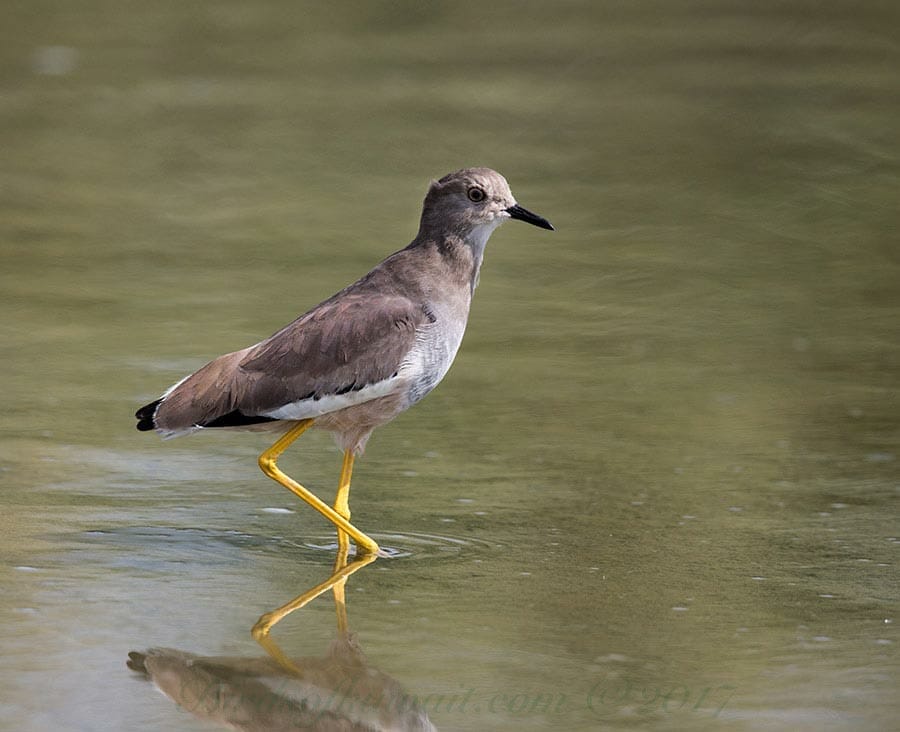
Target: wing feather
{"points": [[342, 345]]}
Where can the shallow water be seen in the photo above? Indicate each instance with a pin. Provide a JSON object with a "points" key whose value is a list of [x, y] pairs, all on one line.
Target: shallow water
{"points": [[659, 487]]}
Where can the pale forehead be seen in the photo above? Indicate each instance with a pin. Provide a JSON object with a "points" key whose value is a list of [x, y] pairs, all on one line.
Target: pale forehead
{"points": [[490, 180]]}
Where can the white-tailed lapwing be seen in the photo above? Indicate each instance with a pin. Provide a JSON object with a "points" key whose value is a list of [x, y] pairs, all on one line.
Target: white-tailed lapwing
{"points": [[358, 359]]}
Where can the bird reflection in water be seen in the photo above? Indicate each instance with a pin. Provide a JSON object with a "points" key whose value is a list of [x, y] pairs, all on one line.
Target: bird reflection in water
{"points": [[339, 691]]}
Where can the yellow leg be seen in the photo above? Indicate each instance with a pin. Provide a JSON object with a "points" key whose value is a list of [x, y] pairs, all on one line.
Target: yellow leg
{"points": [[342, 499], [267, 462], [342, 506]]}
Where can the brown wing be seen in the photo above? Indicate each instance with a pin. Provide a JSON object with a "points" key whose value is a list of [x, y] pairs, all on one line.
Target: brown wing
{"points": [[343, 344]]}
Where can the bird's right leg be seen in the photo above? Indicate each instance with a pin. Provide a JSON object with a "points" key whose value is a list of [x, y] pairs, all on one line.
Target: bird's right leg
{"points": [[342, 499], [268, 464], [342, 506]]}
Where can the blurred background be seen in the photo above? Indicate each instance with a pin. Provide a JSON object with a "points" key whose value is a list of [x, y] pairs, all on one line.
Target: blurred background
{"points": [[659, 487]]}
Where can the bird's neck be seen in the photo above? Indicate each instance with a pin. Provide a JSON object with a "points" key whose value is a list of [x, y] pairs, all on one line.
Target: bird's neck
{"points": [[461, 254], [462, 259]]}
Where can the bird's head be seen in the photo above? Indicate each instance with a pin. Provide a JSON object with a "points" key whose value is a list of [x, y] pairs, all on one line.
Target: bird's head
{"points": [[471, 203]]}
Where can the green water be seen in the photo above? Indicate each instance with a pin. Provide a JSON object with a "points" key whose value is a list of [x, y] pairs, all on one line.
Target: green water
{"points": [[659, 487]]}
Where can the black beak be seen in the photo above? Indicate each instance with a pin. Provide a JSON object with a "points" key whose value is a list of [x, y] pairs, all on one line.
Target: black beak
{"points": [[523, 214]]}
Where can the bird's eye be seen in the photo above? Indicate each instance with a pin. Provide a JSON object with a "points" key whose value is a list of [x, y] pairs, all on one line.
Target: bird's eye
{"points": [[476, 195]]}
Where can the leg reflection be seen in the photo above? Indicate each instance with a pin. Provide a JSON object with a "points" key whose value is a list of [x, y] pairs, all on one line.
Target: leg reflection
{"points": [[336, 582]]}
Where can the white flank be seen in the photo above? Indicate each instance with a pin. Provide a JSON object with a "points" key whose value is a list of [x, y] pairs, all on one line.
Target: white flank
{"points": [[310, 408]]}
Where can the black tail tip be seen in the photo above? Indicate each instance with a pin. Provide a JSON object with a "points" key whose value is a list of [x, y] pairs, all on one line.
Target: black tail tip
{"points": [[136, 662], [145, 416]]}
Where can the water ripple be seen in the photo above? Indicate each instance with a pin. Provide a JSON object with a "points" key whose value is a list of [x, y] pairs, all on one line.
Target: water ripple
{"points": [[150, 545]]}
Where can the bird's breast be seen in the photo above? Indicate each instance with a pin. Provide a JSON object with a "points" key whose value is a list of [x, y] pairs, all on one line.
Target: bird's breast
{"points": [[435, 348]]}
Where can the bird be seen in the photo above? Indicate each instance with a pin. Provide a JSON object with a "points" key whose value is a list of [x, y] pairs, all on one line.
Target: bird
{"points": [[358, 359]]}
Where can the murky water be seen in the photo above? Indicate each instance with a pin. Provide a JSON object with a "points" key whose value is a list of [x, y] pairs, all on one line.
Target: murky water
{"points": [[658, 489]]}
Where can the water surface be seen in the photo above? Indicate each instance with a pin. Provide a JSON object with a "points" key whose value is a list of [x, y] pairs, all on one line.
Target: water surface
{"points": [[658, 489]]}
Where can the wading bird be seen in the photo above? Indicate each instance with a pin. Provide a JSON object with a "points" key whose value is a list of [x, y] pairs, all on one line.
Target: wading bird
{"points": [[358, 359]]}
